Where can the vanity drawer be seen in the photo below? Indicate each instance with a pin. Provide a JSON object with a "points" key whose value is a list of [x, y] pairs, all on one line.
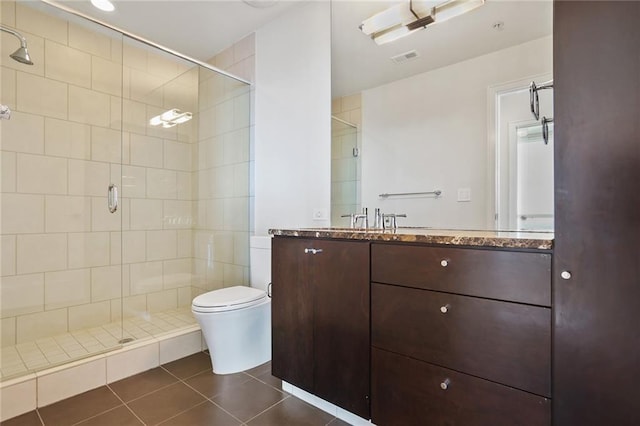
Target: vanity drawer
{"points": [[408, 392], [497, 274], [504, 342]]}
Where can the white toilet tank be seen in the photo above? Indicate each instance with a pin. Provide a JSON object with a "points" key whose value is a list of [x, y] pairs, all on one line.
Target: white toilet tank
{"points": [[260, 261]]}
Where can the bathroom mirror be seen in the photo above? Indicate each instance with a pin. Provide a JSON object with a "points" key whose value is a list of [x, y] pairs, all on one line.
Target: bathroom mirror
{"points": [[430, 111]]}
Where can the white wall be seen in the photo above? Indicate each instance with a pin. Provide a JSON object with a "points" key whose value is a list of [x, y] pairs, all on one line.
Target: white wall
{"points": [[444, 146], [292, 116]]}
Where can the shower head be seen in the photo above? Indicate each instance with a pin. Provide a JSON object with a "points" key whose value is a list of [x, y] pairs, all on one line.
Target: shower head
{"points": [[21, 55]]}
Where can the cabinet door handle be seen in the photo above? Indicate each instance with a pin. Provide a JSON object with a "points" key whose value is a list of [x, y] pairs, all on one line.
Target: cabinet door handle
{"points": [[566, 275], [444, 385], [444, 263], [312, 251], [444, 309]]}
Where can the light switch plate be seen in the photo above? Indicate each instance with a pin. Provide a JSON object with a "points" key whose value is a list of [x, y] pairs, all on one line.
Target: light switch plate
{"points": [[320, 214], [464, 194]]}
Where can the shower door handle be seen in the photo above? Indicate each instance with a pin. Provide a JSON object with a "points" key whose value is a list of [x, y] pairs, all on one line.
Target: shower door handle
{"points": [[112, 198]]}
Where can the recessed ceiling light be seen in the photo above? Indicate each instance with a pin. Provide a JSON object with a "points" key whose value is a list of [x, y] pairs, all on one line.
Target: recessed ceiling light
{"points": [[104, 5]]}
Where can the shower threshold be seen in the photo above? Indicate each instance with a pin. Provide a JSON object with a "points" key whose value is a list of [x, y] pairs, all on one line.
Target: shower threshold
{"points": [[28, 357]]}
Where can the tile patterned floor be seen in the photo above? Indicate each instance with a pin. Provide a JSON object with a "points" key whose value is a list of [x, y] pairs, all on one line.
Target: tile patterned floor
{"points": [[43, 353], [181, 393]]}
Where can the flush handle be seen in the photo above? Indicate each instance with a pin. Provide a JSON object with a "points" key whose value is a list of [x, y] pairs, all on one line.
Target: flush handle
{"points": [[312, 251], [269, 289]]}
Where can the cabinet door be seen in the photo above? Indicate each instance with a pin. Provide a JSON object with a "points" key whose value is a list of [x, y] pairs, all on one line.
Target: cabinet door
{"points": [[596, 350], [291, 313], [340, 274]]}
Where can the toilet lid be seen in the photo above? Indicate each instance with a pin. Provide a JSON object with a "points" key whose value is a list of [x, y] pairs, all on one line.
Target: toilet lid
{"points": [[229, 298]]}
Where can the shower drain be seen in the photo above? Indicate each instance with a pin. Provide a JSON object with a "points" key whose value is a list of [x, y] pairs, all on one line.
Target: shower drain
{"points": [[126, 340]]}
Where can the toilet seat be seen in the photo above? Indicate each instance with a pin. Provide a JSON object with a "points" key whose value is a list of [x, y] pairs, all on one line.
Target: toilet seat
{"points": [[228, 299]]}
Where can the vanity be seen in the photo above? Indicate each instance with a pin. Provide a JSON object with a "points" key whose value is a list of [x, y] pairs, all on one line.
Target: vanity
{"points": [[416, 325], [594, 273]]}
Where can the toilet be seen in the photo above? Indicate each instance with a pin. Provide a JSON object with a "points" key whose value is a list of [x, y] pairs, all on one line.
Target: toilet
{"points": [[236, 321]]}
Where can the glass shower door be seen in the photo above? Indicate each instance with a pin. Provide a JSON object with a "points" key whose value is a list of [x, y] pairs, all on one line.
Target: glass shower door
{"points": [[61, 283], [185, 187], [85, 270], [159, 107]]}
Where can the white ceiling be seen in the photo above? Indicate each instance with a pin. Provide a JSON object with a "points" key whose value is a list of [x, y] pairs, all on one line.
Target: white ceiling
{"points": [[358, 63], [196, 28], [202, 28]]}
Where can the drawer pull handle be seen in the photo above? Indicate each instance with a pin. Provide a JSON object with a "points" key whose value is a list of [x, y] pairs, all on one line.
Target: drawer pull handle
{"points": [[444, 263], [566, 275], [312, 251], [444, 385], [444, 309]]}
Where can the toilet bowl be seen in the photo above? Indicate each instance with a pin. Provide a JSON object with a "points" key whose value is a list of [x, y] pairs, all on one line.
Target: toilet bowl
{"points": [[236, 321], [236, 324]]}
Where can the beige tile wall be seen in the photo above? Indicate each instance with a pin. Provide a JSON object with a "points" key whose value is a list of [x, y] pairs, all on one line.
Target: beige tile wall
{"points": [[345, 169], [79, 122]]}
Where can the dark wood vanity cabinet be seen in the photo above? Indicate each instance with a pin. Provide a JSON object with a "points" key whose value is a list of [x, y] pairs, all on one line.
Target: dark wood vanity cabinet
{"points": [[320, 319], [447, 348], [596, 283]]}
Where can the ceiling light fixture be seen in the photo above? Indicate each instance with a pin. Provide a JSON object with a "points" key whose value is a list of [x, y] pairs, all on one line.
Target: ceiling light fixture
{"points": [[170, 118], [403, 19], [104, 5]]}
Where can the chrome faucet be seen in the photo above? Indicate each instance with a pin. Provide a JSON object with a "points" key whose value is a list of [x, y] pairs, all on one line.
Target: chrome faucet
{"points": [[377, 219], [353, 219], [364, 216], [390, 218]]}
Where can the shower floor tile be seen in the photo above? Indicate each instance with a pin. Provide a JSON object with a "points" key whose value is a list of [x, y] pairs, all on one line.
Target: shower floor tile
{"points": [[27, 357]]}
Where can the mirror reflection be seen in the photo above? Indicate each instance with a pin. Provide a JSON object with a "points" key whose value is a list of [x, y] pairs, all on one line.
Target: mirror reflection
{"points": [[444, 109]]}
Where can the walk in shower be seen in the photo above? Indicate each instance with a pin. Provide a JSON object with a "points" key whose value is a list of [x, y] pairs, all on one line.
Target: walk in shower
{"points": [[85, 270]]}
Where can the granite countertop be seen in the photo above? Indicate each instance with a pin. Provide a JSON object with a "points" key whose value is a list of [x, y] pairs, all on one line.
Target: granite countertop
{"points": [[454, 237]]}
